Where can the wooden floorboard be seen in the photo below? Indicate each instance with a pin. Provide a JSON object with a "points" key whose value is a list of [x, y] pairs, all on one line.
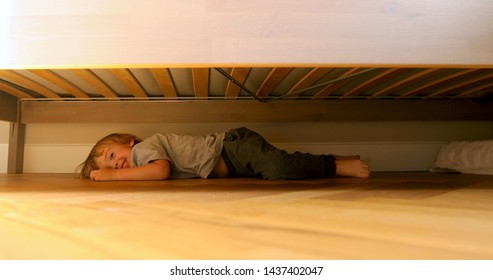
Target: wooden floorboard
{"points": [[389, 216]]}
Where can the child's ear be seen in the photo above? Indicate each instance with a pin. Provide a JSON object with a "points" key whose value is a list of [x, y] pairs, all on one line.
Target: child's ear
{"points": [[132, 143]]}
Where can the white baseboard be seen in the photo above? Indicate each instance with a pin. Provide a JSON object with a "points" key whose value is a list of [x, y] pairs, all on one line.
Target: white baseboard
{"points": [[54, 158], [382, 156]]}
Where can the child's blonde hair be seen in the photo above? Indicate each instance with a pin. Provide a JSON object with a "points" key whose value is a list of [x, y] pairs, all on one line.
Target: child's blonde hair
{"points": [[85, 168]]}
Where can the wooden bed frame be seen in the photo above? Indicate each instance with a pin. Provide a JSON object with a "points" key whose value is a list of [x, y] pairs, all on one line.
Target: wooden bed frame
{"points": [[410, 44]]}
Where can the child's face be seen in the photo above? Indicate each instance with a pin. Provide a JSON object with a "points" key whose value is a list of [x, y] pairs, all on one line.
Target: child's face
{"points": [[115, 156]]}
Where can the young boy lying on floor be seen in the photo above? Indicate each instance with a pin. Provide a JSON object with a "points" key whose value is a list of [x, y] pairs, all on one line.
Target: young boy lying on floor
{"points": [[237, 153]]}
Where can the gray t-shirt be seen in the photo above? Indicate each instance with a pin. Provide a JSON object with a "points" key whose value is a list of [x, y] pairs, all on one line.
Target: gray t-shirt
{"points": [[189, 155]]}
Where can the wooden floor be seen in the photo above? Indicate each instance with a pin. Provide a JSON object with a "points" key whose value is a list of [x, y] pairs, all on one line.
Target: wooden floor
{"points": [[389, 216]]}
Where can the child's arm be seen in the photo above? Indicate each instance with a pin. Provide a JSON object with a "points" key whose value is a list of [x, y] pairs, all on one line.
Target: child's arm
{"points": [[155, 170]]}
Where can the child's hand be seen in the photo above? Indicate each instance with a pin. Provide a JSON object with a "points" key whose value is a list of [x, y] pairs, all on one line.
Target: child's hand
{"points": [[103, 175], [155, 170]]}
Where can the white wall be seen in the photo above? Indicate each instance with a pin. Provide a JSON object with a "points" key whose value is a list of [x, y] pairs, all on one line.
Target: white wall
{"points": [[4, 145], [387, 146], [54, 33]]}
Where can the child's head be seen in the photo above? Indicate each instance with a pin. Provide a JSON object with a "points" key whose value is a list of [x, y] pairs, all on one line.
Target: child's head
{"points": [[93, 161]]}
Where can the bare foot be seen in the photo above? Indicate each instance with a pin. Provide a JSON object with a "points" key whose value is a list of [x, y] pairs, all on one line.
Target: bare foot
{"points": [[352, 168]]}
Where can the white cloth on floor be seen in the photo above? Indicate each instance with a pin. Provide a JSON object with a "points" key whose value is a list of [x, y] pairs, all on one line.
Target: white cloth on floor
{"points": [[469, 157]]}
